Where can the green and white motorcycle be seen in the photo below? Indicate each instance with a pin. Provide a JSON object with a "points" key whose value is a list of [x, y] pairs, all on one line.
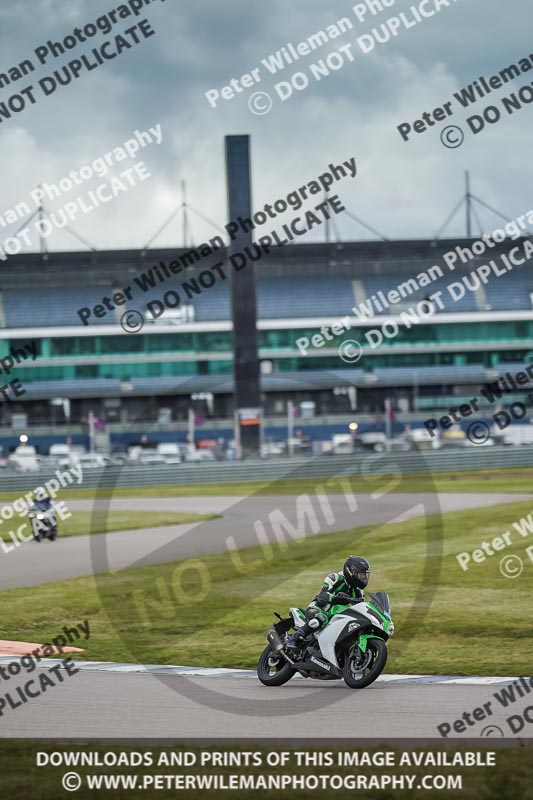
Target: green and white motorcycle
{"points": [[350, 647]]}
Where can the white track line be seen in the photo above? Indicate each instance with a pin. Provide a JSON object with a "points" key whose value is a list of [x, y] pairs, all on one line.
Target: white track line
{"points": [[213, 672]]}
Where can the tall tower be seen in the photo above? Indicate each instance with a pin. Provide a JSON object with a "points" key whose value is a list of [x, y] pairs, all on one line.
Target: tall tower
{"points": [[243, 303]]}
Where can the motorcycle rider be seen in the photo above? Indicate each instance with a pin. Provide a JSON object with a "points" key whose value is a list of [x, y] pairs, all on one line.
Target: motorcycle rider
{"points": [[339, 588], [42, 499], [44, 503]]}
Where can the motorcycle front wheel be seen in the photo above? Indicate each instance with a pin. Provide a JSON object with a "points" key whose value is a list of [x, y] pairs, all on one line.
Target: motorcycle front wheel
{"points": [[37, 535], [361, 672], [272, 669]]}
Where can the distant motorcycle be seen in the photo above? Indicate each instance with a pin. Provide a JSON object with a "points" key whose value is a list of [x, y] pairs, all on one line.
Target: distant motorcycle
{"points": [[43, 523], [350, 647]]}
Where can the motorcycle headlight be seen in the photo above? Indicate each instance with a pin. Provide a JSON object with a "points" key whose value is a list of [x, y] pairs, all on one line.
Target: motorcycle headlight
{"points": [[40, 516], [390, 629]]}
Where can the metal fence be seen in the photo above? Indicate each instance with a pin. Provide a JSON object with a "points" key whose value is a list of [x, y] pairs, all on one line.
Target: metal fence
{"points": [[453, 460]]}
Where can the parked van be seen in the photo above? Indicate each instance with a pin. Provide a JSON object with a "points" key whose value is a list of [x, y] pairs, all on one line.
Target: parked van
{"points": [[170, 452], [25, 459]]}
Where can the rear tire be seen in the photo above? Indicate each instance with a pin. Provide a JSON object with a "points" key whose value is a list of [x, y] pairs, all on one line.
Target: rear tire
{"points": [[272, 669], [373, 665]]}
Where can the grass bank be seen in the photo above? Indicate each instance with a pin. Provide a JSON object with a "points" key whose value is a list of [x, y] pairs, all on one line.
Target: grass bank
{"points": [[213, 611], [82, 523]]}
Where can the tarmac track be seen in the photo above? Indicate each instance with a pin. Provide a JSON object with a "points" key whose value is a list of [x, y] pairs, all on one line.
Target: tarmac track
{"points": [[125, 703], [104, 705], [32, 564]]}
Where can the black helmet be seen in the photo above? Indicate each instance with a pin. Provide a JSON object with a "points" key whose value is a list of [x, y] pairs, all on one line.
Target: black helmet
{"points": [[356, 572]]}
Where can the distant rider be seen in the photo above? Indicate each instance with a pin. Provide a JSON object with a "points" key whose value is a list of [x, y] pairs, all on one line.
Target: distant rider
{"points": [[42, 500], [339, 588], [44, 503]]}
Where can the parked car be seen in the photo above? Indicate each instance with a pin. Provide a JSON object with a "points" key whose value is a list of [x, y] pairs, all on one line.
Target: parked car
{"points": [[25, 459], [170, 452], [272, 449], [149, 458], [513, 434], [93, 461], [200, 455]]}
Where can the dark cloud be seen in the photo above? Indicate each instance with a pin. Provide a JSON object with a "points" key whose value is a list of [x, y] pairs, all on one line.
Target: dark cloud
{"points": [[402, 189]]}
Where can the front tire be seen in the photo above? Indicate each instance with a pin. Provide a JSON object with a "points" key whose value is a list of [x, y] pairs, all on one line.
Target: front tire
{"points": [[272, 669], [358, 674]]}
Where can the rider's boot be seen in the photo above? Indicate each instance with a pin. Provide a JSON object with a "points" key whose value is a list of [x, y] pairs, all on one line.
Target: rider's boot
{"points": [[294, 642]]}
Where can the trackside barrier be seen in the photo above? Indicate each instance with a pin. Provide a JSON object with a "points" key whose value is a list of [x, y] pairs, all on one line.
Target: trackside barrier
{"points": [[452, 460]]}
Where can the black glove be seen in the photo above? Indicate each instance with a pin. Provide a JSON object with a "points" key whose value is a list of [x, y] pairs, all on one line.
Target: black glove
{"points": [[343, 599]]}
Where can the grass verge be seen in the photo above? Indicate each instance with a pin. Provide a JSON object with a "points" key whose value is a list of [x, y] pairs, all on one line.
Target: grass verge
{"points": [[490, 481], [213, 611], [82, 523]]}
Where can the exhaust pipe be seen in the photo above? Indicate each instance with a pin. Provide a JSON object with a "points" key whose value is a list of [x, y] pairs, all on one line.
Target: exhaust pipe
{"points": [[274, 639], [275, 642]]}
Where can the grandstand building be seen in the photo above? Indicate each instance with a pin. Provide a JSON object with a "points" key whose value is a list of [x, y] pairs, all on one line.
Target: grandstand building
{"points": [[186, 352]]}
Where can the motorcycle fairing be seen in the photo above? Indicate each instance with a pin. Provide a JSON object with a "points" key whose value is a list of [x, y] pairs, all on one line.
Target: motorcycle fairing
{"points": [[329, 636], [298, 616]]}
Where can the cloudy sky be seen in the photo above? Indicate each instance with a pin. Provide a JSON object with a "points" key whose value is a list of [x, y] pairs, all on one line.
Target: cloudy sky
{"points": [[405, 190]]}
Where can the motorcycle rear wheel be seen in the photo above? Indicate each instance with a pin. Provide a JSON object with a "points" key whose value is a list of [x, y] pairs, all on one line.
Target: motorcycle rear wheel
{"points": [[272, 669], [358, 676]]}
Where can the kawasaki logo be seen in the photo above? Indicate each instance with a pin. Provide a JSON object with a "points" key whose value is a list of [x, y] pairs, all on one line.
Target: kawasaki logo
{"points": [[321, 663]]}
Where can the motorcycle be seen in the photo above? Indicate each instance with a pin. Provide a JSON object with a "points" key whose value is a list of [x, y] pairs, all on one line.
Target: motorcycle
{"points": [[43, 523], [350, 647]]}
